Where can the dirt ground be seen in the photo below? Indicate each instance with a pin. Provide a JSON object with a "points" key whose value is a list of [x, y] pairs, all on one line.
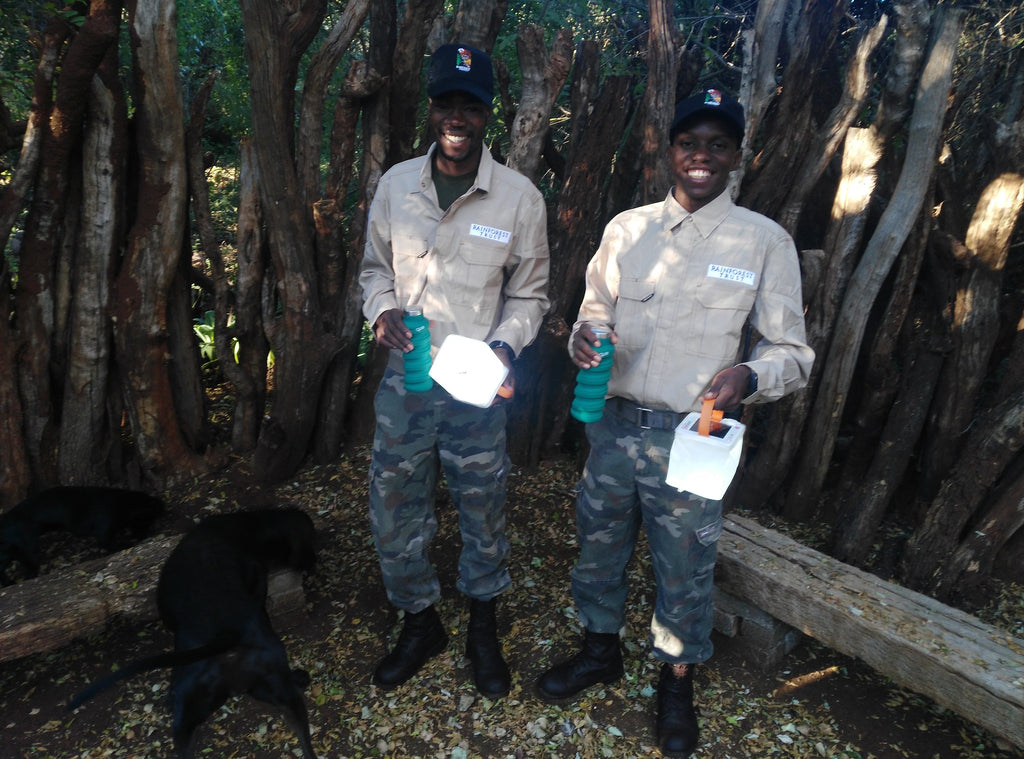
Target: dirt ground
{"points": [[816, 703]]}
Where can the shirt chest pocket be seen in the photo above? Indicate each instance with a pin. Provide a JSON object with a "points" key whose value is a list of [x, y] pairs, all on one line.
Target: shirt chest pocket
{"points": [[410, 262], [635, 312], [476, 274], [724, 306]]}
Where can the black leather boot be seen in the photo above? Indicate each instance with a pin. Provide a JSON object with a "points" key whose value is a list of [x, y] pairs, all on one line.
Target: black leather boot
{"points": [[421, 638], [677, 719], [490, 672], [599, 661]]}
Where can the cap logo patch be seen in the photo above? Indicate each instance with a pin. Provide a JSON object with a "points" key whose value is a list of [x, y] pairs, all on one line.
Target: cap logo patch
{"points": [[712, 97], [463, 59]]}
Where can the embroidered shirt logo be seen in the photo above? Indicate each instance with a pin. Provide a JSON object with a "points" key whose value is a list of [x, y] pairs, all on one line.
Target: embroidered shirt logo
{"points": [[463, 59], [732, 274], [490, 233]]}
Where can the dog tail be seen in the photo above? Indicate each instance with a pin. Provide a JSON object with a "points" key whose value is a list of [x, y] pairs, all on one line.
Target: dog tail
{"points": [[220, 644]]}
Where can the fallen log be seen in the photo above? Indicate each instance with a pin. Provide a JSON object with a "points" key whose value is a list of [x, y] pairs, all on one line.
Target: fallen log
{"points": [[50, 611], [963, 664]]}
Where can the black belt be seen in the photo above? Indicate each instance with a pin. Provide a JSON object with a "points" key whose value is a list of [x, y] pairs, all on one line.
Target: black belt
{"points": [[644, 418]]}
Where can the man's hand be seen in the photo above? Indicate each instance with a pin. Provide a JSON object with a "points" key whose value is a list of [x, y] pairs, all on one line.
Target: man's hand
{"points": [[583, 343], [391, 332], [729, 387]]}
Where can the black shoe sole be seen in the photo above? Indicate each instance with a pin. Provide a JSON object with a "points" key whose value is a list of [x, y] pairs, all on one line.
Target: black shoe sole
{"points": [[550, 698]]}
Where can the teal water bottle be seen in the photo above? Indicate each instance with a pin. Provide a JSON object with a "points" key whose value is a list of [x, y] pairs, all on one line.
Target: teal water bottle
{"points": [[417, 361], [592, 382]]}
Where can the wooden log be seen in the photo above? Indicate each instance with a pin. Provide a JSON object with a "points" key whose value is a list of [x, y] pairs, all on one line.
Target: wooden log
{"points": [[967, 666], [51, 611]]}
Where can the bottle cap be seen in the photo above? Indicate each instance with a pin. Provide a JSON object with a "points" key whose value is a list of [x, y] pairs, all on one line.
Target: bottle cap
{"points": [[414, 311]]}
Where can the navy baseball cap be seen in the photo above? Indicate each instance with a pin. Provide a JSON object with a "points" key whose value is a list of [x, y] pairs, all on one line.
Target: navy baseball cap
{"points": [[461, 68], [710, 101]]}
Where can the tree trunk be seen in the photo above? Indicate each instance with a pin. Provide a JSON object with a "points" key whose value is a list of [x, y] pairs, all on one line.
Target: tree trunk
{"points": [[882, 364], [153, 249], [543, 78], [35, 300], [86, 429], [314, 94], [796, 119], [994, 441], [276, 37], [477, 22], [759, 481], [759, 84], [253, 348], [975, 325], [974, 557], [375, 152], [407, 63], [826, 140], [16, 191], [884, 246], [864, 505], [662, 65]]}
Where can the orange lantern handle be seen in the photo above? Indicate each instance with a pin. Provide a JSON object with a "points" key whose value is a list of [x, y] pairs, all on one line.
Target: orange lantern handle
{"points": [[710, 418]]}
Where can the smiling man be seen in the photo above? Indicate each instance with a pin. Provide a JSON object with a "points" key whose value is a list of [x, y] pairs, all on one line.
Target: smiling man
{"points": [[675, 282], [463, 238]]}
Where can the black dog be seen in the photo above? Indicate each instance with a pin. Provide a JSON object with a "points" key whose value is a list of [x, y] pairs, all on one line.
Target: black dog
{"points": [[97, 512], [212, 595]]}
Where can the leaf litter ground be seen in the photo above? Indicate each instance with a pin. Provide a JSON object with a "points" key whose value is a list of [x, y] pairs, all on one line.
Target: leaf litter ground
{"points": [[816, 703]]}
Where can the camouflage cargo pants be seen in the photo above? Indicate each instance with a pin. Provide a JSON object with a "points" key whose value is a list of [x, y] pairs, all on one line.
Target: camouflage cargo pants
{"points": [[413, 429], [623, 486]]}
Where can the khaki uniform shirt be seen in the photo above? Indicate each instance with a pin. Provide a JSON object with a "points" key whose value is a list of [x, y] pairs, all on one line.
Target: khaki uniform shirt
{"points": [[479, 269], [677, 289]]}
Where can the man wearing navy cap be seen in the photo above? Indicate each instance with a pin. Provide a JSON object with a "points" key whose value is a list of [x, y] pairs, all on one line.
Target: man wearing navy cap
{"points": [[465, 239], [675, 282]]}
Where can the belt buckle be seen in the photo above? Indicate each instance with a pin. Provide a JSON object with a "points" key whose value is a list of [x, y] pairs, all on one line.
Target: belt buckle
{"points": [[642, 418]]}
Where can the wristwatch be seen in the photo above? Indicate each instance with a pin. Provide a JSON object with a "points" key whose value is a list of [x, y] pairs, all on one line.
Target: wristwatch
{"points": [[752, 383], [506, 346]]}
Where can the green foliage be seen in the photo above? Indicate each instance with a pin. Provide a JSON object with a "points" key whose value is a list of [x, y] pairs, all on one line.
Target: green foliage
{"points": [[211, 38], [204, 329]]}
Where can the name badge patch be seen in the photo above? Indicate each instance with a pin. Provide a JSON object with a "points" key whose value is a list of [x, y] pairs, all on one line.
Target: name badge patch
{"points": [[732, 274], [490, 233]]}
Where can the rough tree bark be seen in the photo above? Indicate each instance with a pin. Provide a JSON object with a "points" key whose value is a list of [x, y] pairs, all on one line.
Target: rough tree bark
{"points": [[250, 283], [862, 153], [662, 65], [314, 95], [35, 299], [825, 141], [407, 63], [153, 248], [478, 22], [86, 431], [759, 83], [974, 557], [975, 325], [882, 249], [795, 118], [544, 75], [276, 37], [994, 441]]}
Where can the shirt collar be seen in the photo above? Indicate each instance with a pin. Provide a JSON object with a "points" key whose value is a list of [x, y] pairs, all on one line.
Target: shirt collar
{"points": [[484, 172], [706, 219]]}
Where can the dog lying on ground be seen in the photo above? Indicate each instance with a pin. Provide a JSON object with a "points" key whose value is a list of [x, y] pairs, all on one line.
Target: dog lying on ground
{"points": [[106, 514], [212, 595]]}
